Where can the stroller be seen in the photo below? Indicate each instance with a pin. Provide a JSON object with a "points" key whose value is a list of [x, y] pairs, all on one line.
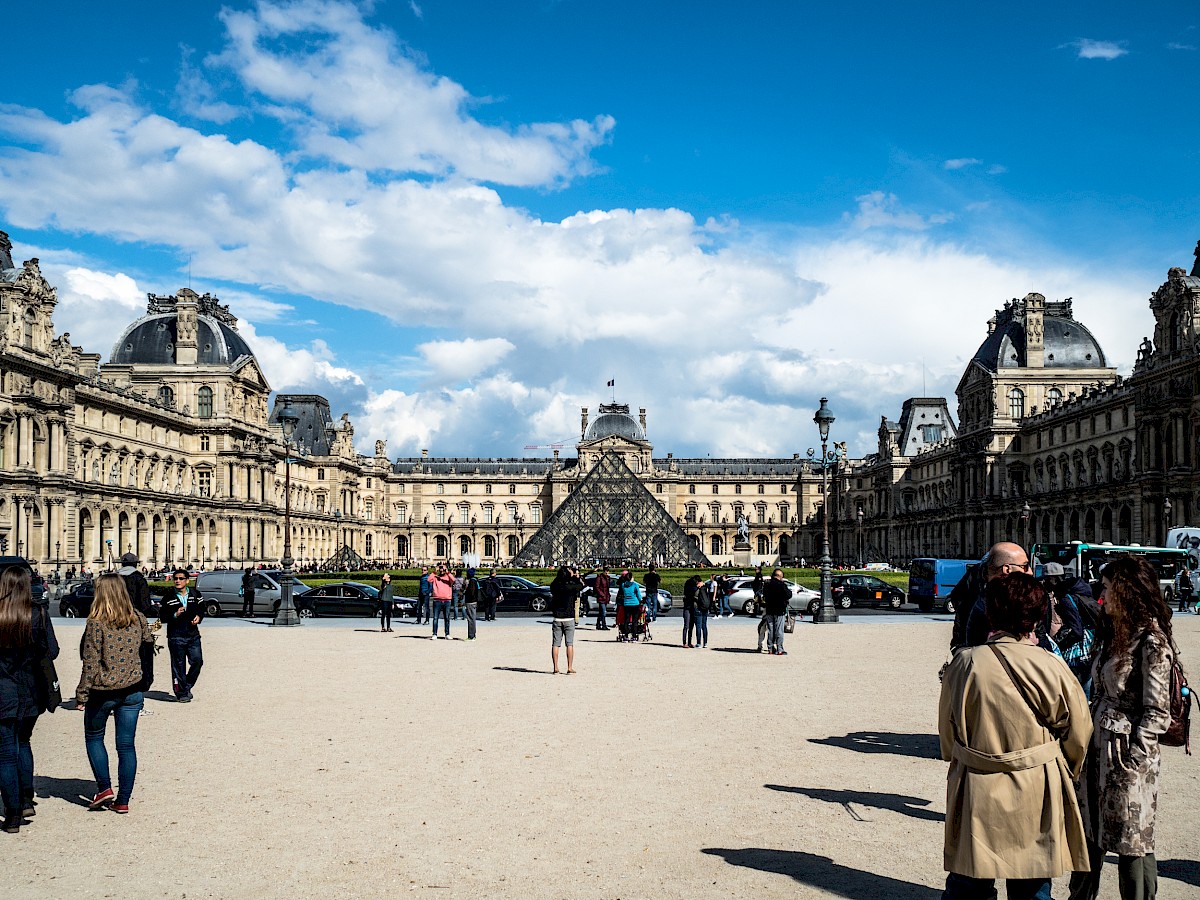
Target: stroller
{"points": [[635, 625]]}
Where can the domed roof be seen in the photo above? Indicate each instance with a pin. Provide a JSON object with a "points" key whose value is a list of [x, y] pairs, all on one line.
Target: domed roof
{"points": [[151, 339], [1067, 344], [615, 419]]}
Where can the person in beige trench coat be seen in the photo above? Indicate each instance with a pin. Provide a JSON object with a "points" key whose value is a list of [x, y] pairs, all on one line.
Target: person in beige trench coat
{"points": [[1011, 809]]}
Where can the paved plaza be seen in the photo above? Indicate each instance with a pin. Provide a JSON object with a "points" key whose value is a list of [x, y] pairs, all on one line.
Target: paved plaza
{"points": [[330, 760]]}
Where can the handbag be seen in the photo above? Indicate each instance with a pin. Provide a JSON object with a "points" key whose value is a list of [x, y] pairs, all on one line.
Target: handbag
{"points": [[45, 676], [789, 622]]}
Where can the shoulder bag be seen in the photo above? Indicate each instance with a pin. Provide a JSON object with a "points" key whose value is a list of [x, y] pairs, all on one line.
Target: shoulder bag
{"points": [[46, 677], [1041, 720]]}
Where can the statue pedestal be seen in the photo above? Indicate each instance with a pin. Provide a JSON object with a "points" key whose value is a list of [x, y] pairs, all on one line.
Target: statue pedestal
{"points": [[741, 555]]}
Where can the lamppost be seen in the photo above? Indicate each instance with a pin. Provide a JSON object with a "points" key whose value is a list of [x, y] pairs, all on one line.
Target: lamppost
{"points": [[1025, 511], [167, 548], [860, 538], [29, 525], [826, 614], [110, 560], [1166, 520], [57, 556], [286, 614]]}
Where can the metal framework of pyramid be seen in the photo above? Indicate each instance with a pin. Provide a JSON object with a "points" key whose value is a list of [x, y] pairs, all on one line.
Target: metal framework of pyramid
{"points": [[610, 519], [345, 560]]}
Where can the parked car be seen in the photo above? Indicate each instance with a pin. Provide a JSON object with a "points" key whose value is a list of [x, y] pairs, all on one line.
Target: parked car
{"points": [[861, 590], [36, 582], [521, 593], [76, 603], [347, 598], [588, 603], [222, 591], [742, 599]]}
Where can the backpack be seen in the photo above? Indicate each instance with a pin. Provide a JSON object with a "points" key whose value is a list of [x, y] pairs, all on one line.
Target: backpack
{"points": [[1179, 732]]}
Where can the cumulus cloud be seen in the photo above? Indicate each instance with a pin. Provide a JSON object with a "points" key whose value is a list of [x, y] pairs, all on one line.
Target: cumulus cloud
{"points": [[454, 361], [1086, 48], [883, 210]]}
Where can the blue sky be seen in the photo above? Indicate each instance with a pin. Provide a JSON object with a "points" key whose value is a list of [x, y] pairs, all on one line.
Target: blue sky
{"points": [[459, 220]]}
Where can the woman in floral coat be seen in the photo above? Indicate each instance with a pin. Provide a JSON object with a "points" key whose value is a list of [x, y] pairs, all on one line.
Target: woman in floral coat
{"points": [[1118, 796]]}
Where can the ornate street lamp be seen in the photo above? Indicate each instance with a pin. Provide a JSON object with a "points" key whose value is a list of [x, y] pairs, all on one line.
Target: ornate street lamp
{"points": [[826, 614], [286, 614], [57, 556], [1166, 520], [1025, 511], [860, 538], [29, 525]]}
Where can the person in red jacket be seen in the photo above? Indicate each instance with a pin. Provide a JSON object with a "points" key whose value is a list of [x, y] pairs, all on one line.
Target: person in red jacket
{"points": [[441, 582], [601, 588]]}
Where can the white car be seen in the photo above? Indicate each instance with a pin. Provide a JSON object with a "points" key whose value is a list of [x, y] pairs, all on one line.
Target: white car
{"points": [[742, 599], [588, 604]]}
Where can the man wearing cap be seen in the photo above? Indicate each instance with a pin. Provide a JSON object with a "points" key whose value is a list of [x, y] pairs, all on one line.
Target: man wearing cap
{"points": [[135, 583]]}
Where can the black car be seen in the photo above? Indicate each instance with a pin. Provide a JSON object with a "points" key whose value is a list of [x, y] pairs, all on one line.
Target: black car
{"points": [[865, 590], [521, 593], [347, 598], [36, 582], [77, 602]]}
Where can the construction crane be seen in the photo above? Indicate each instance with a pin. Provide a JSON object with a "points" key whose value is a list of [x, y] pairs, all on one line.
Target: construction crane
{"points": [[557, 446]]}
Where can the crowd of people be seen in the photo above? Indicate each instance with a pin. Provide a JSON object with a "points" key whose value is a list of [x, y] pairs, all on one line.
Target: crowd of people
{"points": [[1052, 713]]}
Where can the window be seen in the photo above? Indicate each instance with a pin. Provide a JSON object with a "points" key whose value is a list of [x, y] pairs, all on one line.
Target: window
{"points": [[320, 474], [204, 402], [368, 482], [714, 488], [691, 489], [535, 514], [440, 517], [783, 489], [441, 545], [1016, 404], [1054, 396], [512, 514], [489, 546], [737, 488], [205, 483], [402, 546], [487, 488], [761, 513], [715, 544], [464, 514], [714, 512], [690, 514], [205, 443], [399, 489], [488, 513], [166, 396], [464, 545], [441, 489], [762, 488], [401, 511], [658, 489], [785, 512], [512, 488], [367, 544], [464, 489], [320, 503], [763, 546], [369, 509], [514, 545]]}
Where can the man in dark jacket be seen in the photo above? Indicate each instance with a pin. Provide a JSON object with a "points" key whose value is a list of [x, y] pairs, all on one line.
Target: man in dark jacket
{"points": [[1003, 558], [564, 594], [776, 595], [135, 584], [690, 587], [248, 592], [424, 597], [491, 596], [601, 588], [182, 614], [653, 580]]}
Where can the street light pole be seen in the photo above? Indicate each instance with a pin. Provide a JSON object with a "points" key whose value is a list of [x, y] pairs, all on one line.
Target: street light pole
{"points": [[1025, 511], [29, 526], [1166, 520], [860, 538], [286, 614], [826, 614]]}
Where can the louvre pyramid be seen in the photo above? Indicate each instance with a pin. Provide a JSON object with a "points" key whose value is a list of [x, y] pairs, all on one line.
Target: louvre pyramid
{"points": [[346, 559], [610, 519]]}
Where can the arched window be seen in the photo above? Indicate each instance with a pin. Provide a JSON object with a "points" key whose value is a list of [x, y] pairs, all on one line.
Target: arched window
{"points": [[489, 546], [691, 489], [464, 545], [763, 546], [464, 488], [204, 402], [514, 546], [1054, 396], [1016, 404], [166, 396], [715, 544], [30, 319], [715, 488], [512, 488], [762, 488], [658, 489], [441, 545], [367, 544], [441, 489], [1176, 332], [402, 546]]}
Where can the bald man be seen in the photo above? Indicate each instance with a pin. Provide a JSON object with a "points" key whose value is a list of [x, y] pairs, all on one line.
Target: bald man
{"points": [[1003, 558]]}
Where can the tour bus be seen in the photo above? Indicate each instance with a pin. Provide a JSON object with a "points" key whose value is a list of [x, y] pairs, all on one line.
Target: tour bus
{"points": [[1086, 560], [930, 581], [1187, 538]]}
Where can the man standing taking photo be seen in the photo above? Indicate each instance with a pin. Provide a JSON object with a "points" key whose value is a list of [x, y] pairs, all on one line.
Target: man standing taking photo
{"points": [[181, 613]]}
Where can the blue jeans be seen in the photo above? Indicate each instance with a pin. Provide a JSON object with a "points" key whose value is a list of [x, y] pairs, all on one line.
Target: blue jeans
{"points": [[652, 604], [187, 658], [124, 708], [422, 609], [441, 610], [455, 604], [725, 605], [701, 618], [16, 762], [688, 626], [963, 887]]}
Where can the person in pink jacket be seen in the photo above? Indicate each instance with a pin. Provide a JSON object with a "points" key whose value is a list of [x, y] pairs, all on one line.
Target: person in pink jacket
{"points": [[442, 583]]}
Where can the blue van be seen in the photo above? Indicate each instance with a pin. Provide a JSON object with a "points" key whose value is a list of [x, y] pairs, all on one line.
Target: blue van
{"points": [[930, 581]]}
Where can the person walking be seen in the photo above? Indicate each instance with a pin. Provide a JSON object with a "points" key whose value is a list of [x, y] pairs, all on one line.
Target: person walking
{"points": [[564, 593], [1014, 726], [386, 602], [456, 599], [704, 603], [1184, 587], [471, 602], [653, 580], [182, 615], [776, 595], [441, 584], [629, 595], [110, 684], [724, 589], [689, 609], [26, 638], [491, 595], [601, 589], [135, 583], [424, 596], [1131, 708], [248, 593]]}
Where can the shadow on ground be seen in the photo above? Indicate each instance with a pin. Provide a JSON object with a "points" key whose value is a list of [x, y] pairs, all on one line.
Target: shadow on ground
{"points": [[923, 746], [1185, 870], [74, 790], [520, 669], [161, 696], [823, 873], [909, 806]]}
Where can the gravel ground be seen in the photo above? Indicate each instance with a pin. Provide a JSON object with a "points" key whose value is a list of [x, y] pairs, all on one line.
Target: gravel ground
{"points": [[334, 760]]}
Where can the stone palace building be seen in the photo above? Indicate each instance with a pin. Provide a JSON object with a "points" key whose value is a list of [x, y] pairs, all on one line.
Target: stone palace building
{"points": [[172, 449]]}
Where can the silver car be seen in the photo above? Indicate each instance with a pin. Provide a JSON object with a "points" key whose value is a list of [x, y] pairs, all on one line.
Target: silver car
{"points": [[588, 603], [742, 599], [222, 591]]}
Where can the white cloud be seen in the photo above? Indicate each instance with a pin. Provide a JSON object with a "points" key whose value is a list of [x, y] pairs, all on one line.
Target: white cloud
{"points": [[996, 169], [882, 210], [1086, 48], [94, 307], [961, 163], [416, 10], [455, 361], [1177, 46], [297, 368]]}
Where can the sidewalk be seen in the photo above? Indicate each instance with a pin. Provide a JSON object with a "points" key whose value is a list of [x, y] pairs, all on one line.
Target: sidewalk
{"points": [[338, 761]]}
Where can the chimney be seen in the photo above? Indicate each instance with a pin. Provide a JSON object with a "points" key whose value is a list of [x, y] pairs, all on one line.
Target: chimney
{"points": [[187, 310], [6, 252], [670, 456], [583, 420], [424, 454], [642, 418]]}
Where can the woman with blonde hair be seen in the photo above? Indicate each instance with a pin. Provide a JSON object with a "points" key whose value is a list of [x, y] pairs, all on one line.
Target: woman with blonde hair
{"points": [[111, 685], [26, 637], [1131, 708]]}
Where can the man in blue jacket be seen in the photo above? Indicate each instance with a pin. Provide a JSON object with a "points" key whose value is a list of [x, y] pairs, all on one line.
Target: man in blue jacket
{"points": [[424, 597]]}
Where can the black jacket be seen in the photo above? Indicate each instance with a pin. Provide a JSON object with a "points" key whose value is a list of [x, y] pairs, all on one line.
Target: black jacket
{"points": [[776, 595], [179, 625], [652, 581], [563, 594], [19, 696], [139, 590]]}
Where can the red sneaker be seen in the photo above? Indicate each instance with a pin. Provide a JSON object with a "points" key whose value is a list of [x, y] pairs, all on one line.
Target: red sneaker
{"points": [[104, 798], [121, 808]]}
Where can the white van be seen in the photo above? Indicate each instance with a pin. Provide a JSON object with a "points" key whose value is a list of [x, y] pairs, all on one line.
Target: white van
{"points": [[222, 591]]}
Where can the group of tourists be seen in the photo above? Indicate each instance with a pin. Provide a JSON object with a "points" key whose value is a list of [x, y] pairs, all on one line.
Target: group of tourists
{"points": [[117, 652], [1042, 782], [442, 596]]}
